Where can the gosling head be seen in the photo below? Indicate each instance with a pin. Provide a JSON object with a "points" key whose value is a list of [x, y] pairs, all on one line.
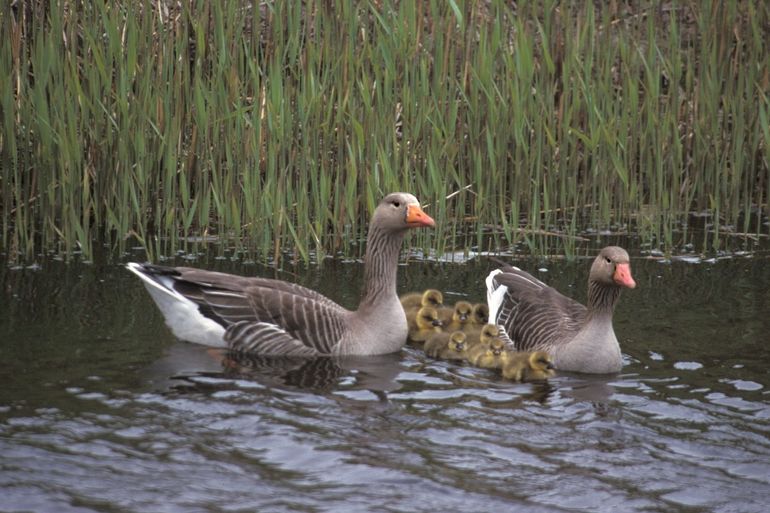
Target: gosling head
{"points": [[480, 313], [497, 346], [488, 332], [457, 341], [541, 362], [432, 297], [462, 312], [427, 319]]}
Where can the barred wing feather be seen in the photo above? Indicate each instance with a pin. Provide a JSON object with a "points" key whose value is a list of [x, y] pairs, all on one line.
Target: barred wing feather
{"points": [[534, 315]]}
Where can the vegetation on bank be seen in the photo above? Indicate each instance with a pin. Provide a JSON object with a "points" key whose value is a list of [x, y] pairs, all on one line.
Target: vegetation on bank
{"points": [[273, 126]]}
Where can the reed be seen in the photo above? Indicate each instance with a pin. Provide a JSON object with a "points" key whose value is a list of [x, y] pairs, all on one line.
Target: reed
{"points": [[272, 128]]}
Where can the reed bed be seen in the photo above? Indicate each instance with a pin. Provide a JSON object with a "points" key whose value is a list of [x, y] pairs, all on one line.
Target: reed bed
{"points": [[274, 127]]}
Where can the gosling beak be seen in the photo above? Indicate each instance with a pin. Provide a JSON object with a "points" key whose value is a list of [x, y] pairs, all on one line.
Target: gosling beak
{"points": [[437, 322], [460, 346], [463, 317], [550, 366], [415, 217], [623, 276]]}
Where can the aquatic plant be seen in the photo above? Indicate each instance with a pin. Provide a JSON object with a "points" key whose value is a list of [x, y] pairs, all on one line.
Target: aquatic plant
{"points": [[275, 127]]}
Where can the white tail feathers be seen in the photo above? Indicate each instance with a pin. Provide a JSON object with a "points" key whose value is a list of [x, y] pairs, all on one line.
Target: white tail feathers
{"points": [[181, 314], [495, 295]]}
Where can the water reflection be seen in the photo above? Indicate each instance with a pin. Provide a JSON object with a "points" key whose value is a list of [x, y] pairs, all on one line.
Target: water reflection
{"points": [[101, 409], [583, 387], [323, 374]]}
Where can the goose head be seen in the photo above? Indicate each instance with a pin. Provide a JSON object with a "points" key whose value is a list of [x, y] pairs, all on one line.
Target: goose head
{"points": [[399, 211], [612, 267]]}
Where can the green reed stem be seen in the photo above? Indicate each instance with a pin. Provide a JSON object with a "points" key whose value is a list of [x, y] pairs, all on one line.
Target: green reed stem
{"points": [[274, 128]]}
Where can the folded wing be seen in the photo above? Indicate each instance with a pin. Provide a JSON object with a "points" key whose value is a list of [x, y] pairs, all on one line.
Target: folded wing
{"points": [[261, 315], [534, 315]]}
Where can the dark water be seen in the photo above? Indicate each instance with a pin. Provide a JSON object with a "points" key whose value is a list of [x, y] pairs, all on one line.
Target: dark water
{"points": [[102, 410]]}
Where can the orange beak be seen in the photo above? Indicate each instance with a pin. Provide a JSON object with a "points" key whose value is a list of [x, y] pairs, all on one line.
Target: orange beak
{"points": [[623, 276], [415, 217]]}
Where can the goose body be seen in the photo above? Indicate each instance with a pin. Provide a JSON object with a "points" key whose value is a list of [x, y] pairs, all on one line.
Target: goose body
{"points": [[273, 317], [535, 316], [528, 366]]}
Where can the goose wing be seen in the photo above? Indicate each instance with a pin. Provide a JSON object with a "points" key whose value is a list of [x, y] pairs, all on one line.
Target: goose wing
{"points": [[234, 282], [260, 315], [533, 315]]}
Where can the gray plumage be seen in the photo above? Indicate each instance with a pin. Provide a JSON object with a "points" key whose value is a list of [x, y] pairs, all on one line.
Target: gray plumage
{"points": [[537, 317], [272, 317]]}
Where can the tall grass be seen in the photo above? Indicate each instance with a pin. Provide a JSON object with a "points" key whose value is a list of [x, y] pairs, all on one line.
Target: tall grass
{"points": [[276, 126]]}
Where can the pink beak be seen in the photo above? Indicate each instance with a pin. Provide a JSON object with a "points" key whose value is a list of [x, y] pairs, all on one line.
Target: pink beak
{"points": [[623, 276]]}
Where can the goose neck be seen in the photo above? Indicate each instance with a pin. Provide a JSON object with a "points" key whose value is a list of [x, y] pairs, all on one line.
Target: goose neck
{"points": [[602, 298], [380, 266]]}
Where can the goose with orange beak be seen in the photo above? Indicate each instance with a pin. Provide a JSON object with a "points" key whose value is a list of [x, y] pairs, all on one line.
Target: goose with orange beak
{"points": [[536, 317], [272, 317]]}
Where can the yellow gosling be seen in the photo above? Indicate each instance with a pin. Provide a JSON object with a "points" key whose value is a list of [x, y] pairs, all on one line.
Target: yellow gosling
{"points": [[458, 317], [480, 315], [481, 334], [491, 354], [414, 300], [424, 323], [446, 346], [528, 366]]}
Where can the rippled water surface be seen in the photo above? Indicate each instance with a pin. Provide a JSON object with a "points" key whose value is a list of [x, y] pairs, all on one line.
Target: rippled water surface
{"points": [[102, 410]]}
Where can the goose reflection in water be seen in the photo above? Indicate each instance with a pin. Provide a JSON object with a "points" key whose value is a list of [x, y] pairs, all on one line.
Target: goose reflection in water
{"points": [[187, 367], [376, 373]]}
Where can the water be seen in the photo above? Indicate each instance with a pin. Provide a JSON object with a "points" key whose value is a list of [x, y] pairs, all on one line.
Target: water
{"points": [[102, 410]]}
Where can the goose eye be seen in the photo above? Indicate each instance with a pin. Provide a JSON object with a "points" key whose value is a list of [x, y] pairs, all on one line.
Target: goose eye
{"points": [[608, 260], [396, 204]]}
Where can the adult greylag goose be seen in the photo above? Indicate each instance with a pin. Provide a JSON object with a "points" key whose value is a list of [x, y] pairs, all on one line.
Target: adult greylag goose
{"points": [[491, 354], [273, 317], [414, 300], [447, 346], [528, 366], [423, 323], [537, 317]]}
